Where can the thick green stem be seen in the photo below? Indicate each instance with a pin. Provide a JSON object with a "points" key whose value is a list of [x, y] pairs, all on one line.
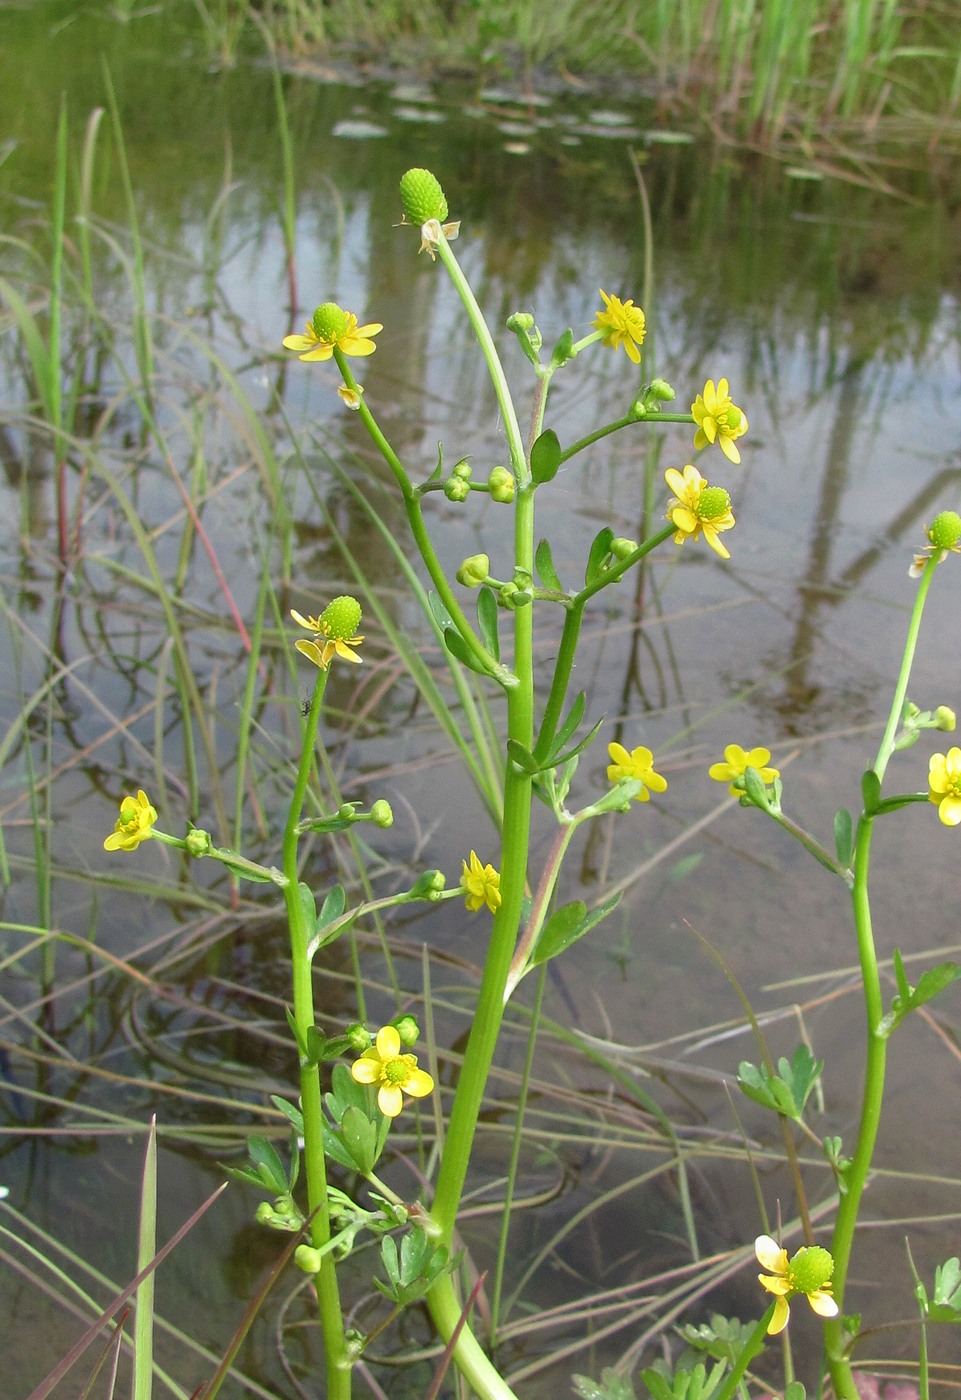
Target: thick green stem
{"points": [[839, 1364], [328, 1296]]}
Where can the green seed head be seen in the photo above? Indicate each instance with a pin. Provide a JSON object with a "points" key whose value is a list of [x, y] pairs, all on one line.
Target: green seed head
{"points": [[733, 418], [810, 1269], [341, 618], [422, 196], [714, 502], [329, 321], [945, 530]]}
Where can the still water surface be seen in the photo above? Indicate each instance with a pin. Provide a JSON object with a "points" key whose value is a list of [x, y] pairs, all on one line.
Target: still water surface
{"points": [[833, 311]]}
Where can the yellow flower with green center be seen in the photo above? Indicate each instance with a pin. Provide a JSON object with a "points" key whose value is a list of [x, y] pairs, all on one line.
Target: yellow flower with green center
{"points": [[621, 323], [639, 764], [808, 1272], [944, 784], [718, 419], [332, 327], [481, 885], [698, 507], [335, 632], [134, 824], [394, 1073], [736, 763]]}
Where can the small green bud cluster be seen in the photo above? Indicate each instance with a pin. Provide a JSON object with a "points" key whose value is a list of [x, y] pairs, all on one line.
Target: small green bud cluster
{"points": [[341, 618], [501, 486], [408, 1029], [430, 885], [381, 814], [457, 485], [945, 719], [713, 502], [358, 1038], [198, 843], [329, 321], [422, 196], [474, 571], [308, 1259], [945, 531], [622, 548]]}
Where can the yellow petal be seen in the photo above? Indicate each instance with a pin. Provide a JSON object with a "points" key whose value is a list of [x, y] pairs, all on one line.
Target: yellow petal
{"points": [[388, 1042], [390, 1100], [366, 1070], [823, 1304], [769, 1253], [779, 1321], [418, 1084]]}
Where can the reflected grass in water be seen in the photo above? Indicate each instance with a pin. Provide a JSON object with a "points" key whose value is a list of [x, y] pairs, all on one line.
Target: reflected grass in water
{"points": [[156, 575]]}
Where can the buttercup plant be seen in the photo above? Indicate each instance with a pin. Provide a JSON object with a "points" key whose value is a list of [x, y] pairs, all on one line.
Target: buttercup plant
{"points": [[486, 613]]}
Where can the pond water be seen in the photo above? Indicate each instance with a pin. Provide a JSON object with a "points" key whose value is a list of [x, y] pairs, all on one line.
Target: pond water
{"points": [[832, 306]]}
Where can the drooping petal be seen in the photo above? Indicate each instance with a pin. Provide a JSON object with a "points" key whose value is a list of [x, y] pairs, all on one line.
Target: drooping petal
{"points": [[780, 1319], [823, 1303]]}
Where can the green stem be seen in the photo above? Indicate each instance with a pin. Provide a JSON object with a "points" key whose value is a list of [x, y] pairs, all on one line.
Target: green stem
{"points": [[418, 526], [626, 422], [839, 1364], [750, 1349], [494, 366], [328, 1296], [571, 633]]}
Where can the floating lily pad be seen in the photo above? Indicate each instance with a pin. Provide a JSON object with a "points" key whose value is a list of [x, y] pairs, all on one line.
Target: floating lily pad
{"points": [[357, 129]]}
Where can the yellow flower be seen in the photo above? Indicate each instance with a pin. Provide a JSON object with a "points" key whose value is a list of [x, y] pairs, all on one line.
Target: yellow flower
{"points": [[698, 507], [718, 419], [737, 762], [133, 825], [944, 783], [639, 764], [809, 1272], [396, 1074], [331, 326], [334, 632], [621, 323], [481, 885]]}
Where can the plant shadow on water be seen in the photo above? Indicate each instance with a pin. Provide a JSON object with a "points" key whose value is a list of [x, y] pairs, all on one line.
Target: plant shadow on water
{"points": [[193, 478]]}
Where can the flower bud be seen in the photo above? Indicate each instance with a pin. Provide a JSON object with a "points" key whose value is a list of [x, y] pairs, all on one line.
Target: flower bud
{"points": [[329, 322], [945, 718], [429, 885], [381, 814], [520, 321], [308, 1259], [197, 842], [945, 531], [422, 196], [341, 618], [463, 470], [501, 486], [408, 1029], [264, 1214], [474, 571], [660, 389], [621, 548], [457, 489], [713, 503], [358, 1038]]}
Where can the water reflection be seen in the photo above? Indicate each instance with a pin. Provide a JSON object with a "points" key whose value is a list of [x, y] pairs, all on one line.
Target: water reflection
{"points": [[834, 314]]}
